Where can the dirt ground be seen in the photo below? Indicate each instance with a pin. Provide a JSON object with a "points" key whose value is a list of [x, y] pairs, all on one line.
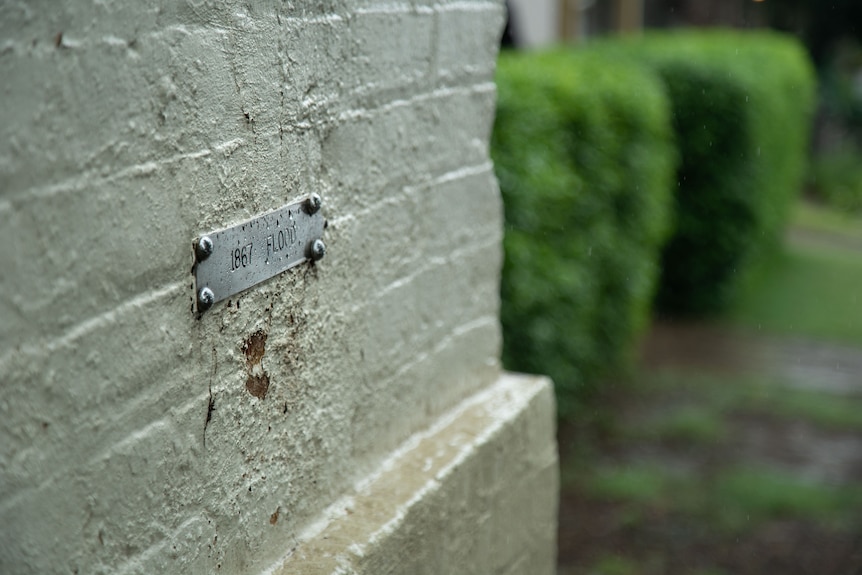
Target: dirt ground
{"points": [[709, 479]]}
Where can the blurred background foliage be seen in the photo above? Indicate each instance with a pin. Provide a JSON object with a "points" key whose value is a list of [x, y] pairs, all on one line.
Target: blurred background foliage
{"points": [[743, 142], [706, 182], [665, 162], [585, 158]]}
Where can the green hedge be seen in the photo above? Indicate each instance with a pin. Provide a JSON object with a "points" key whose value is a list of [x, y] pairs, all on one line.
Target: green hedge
{"points": [[585, 159], [741, 106], [598, 149]]}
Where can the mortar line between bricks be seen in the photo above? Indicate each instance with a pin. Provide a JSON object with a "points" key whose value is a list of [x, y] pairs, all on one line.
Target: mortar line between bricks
{"points": [[50, 345], [440, 343], [468, 7], [87, 179], [453, 335], [445, 178], [74, 41], [328, 106], [133, 565], [436, 262], [437, 93], [394, 8], [471, 78], [458, 174], [104, 448]]}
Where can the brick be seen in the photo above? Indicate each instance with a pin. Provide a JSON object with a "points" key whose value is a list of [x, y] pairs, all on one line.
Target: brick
{"points": [[466, 46], [407, 143]]}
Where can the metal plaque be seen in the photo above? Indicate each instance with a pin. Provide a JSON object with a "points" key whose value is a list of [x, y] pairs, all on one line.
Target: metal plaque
{"points": [[234, 259]]}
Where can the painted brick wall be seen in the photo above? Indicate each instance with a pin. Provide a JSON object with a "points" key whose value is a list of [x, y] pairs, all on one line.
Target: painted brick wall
{"points": [[128, 128]]}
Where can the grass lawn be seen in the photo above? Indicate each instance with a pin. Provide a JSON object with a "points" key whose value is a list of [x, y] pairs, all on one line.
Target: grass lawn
{"points": [[713, 396], [813, 287], [816, 218], [687, 472]]}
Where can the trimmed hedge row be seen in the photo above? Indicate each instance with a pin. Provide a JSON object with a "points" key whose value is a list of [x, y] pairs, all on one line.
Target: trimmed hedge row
{"points": [[584, 155], [603, 151], [741, 106]]}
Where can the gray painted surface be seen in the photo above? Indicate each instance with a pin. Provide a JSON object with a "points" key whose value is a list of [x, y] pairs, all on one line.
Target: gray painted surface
{"points": [[135, 438]]}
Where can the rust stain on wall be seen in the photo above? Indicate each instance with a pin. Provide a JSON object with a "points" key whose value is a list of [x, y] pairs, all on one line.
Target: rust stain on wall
{"points": [[254, 347], [258, 385]]}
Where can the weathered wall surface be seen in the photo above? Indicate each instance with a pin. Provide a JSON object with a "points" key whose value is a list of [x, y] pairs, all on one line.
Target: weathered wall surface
{"points": [[475, 493], [130, 441]]}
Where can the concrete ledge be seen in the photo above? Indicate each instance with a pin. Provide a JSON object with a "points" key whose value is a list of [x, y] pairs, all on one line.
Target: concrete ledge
{"points": [[475, 493]]}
